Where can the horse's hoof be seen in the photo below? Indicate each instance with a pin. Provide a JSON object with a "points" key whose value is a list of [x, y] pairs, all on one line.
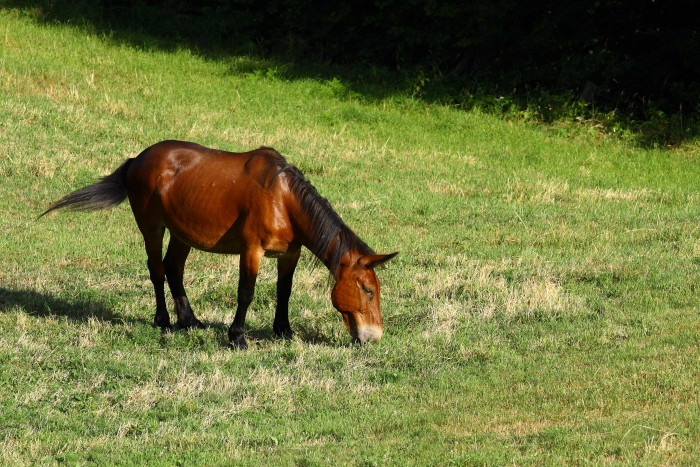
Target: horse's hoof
{"points": [[165, 328], [284, 333], [238, 344], [192, 323]]}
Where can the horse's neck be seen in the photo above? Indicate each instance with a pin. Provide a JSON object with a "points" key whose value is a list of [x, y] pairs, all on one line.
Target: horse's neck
{"points": [[326, 256], [321, 230], [323, 249]]}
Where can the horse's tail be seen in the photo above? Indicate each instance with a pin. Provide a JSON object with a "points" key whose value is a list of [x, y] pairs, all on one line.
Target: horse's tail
{"points": [[110, 191]]}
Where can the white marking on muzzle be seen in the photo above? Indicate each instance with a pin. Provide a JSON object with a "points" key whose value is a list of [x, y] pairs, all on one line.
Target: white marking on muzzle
{"points": [[369, 333]]}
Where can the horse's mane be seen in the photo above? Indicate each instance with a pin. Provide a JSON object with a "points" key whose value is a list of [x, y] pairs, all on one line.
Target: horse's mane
{"points": [[325, 223]]}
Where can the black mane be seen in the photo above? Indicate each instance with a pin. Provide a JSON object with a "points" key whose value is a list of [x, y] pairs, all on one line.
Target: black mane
{"points": [[325, 223]]}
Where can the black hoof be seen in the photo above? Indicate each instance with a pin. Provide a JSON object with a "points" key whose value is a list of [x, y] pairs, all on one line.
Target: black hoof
{"points": [[192, 323], [164, 327], [283, 332], [238, 343]]}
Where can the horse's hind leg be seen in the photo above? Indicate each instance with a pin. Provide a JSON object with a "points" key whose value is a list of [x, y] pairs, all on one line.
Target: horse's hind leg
{"points": [[153, 239], [174, 263]]}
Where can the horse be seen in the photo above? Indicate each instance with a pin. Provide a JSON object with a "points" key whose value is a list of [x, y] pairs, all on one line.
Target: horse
{"points": [[253, 204]]}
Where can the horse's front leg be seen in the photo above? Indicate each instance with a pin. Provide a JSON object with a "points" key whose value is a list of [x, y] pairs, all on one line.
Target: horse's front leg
{"points": [[250, 265], [286, 266]]}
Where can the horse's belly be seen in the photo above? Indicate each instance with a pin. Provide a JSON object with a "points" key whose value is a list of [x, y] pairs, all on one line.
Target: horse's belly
{"points": [[207, 237], [234, 237]]}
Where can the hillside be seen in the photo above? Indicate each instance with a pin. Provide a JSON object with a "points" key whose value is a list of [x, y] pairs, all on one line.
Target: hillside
{"points": [[543, 308]]}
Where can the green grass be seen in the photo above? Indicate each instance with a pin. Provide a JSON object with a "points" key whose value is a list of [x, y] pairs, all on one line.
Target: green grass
{"points": [[543, 310]]}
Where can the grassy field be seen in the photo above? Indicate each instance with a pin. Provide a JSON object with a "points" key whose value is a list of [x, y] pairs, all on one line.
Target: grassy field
{"points": [[543, 309]]}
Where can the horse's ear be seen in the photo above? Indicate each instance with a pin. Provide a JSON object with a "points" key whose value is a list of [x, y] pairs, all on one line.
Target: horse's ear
{"points": [[372, 261]]}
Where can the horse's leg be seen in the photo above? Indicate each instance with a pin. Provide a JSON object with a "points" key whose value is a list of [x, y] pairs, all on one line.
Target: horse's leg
{"points": [[285, 274], [174, 263], [250, 265], [153, 239]]}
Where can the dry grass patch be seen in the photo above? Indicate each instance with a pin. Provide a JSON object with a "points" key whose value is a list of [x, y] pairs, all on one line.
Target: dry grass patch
{"points": [[444, 320], [611, 194], [486, 289], [278, 388], [539, 192], [537, 296], [444, 187], [556, 191]]}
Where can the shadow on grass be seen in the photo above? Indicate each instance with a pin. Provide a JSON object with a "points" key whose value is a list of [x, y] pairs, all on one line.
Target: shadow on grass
{"points": [[44, 305], [81, 310], [209, 33], [306, 334]]}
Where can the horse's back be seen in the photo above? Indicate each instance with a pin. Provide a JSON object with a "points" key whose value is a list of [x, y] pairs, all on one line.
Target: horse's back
{"points": [[186, 160]]}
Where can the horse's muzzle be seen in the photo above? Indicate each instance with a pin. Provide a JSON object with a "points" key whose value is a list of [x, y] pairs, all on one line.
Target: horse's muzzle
{"points": [[369, 333]]}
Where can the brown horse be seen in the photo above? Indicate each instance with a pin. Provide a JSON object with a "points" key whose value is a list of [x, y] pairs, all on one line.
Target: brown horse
{"points": [[253, 204]]}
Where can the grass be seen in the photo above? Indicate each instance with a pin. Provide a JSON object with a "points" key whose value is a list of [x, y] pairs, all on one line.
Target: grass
{"points": [[543, 310]]}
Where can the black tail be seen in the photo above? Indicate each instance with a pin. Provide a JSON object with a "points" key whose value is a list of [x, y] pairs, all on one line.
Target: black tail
{"points": [[107, 193]]}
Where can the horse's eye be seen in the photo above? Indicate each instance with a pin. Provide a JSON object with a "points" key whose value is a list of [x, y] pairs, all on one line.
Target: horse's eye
{"points": [[369, 292]]}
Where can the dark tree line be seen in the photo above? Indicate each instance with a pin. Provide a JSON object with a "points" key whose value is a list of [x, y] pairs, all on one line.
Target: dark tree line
{"points": [[629, 55]]}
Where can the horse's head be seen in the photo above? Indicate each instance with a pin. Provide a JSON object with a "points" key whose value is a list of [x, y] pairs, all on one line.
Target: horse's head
{"points": [[356, 296]]}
